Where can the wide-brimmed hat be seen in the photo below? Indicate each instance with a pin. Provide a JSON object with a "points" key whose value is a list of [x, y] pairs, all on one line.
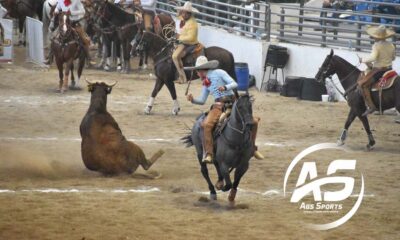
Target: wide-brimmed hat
{"points": [[380, 32], [188, 8], [202, 63]]}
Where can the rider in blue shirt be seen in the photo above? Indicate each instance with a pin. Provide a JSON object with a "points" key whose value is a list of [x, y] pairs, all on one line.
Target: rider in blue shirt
{"points": [[218, 83]]}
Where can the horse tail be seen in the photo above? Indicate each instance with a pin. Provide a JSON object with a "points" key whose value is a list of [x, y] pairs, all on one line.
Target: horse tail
{"points": [[188, 140], [231, 70]]}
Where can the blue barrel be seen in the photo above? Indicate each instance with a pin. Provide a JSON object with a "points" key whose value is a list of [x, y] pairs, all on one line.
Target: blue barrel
{"points": [[242, 75]]}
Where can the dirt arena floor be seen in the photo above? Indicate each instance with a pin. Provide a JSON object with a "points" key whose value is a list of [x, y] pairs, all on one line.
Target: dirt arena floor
{"points": [[46, 192]]}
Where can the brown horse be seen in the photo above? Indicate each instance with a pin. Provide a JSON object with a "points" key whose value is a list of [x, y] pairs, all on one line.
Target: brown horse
{"points": [[67, 47], [20, 9], [161, 51], [348, 75]]}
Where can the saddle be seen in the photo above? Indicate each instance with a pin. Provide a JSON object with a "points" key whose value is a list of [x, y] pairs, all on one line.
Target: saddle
{"points": [[385, 82], [223, 119]]}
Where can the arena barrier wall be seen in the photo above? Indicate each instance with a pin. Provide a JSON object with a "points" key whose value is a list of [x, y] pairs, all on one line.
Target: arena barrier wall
{"points": [[34, 36]]}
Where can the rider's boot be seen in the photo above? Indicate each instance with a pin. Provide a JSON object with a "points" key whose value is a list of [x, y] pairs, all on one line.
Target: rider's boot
{"points": [[208, 126], [368, 100]]}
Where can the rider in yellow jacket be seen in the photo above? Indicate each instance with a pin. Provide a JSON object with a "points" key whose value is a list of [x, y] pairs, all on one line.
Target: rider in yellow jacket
{"points": [[186, 37]]}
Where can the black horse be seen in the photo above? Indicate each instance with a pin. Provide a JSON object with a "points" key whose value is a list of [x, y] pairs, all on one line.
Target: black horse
{"points": [[120, 27], [20, 9], [160, 50], [348, 75], [233, 147]]}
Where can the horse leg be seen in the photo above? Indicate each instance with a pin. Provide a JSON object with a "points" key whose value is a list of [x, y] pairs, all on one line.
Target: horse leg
{"points": [[171, 87], [225, 173], [118, 53], [108, 44], [220, 183], [60, 74], [127, 59], [157, 87], [72, 76], [21, 38], [66, 76], [239, 172], [371, 140], [143, 60], [204, 171], [81, 64], [343, 136]]}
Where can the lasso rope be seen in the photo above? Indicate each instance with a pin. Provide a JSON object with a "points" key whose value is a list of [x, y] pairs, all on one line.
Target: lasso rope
{"points": [[168, 31]]}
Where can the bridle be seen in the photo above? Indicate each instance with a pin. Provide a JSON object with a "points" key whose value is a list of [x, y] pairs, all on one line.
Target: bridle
{"points": [[347, 77], [241, 131], [162, 50]]}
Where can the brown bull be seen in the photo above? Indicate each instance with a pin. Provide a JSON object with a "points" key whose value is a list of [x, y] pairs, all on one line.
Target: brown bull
{"points": [[104, 148]]}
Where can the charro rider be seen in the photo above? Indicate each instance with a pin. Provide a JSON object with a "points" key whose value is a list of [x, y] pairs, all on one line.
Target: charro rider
{"points": [[186, 37], [380, 61], [77, 14], [218, 83]]}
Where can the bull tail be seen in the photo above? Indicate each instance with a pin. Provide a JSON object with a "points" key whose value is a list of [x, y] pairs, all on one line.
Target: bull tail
{"points": [[187, 140]]}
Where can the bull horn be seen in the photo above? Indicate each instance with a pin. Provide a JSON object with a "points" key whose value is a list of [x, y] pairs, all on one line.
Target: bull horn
{"points": [[88, 81], [111, 84]]}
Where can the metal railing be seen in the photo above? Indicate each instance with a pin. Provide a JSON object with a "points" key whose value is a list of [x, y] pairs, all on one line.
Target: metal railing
{"points": [[247, 18], [312, 26], [326, 27]]}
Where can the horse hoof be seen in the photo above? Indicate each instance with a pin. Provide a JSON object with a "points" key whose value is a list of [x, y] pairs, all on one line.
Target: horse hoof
{"points": [[106, 68], [219, 185], [74, 87], [213, 197], [119, 68], [226, 188], [340, 142], [175, 111], [232, 195], [370, 147], [147, 110]]}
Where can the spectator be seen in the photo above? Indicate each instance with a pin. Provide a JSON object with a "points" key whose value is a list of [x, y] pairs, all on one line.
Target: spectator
{"points": [[334, 5]]}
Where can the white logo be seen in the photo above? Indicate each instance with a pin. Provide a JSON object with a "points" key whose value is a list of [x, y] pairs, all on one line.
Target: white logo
{"points": [[309, 170]]}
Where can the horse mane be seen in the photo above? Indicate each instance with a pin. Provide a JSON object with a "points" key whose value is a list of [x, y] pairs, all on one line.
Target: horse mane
{"points": [[345, 63]]}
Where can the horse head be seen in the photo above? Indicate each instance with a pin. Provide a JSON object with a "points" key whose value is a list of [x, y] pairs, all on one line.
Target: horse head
{"points": [[64, 23], [326, 69], [156, 45], [243, 110]]}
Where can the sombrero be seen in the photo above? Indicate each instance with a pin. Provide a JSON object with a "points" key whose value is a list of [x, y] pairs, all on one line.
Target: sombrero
{"points": [[188, 8], [202, 63], [380, 32]]}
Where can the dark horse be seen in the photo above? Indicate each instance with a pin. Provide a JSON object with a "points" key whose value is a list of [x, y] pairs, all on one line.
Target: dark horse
{"points": [[233, 147], [20, 9], [164, 26], [160, 50], [348, 75], [66, 48], [120, 27]]}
